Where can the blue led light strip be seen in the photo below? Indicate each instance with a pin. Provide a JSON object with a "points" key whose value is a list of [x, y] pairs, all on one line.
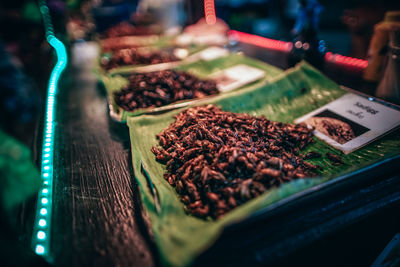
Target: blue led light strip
{"points": [[42, 223]]}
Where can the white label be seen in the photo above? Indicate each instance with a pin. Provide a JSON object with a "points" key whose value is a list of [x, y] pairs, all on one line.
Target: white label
{"points": [[237, 76], [351, 122], [213, 53], [205, 39], [208, 54]]}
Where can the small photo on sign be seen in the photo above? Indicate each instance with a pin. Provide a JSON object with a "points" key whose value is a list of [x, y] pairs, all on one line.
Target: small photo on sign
{"points": [[335, 126], [352, 121]]}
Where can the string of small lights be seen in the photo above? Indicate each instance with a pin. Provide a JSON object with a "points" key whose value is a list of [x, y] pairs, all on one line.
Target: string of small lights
{"points": [[260, 41], [209, 12], [42, 223], [287, 46]]}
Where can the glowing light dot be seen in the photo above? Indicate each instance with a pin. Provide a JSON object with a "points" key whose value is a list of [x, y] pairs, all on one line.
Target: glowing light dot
{"points": [[39, 249], [43, 211], [41, 235], [42, 222], [45, 200]]}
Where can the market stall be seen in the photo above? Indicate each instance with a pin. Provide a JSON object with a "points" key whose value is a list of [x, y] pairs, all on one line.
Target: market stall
{"points": [[206, 147]]}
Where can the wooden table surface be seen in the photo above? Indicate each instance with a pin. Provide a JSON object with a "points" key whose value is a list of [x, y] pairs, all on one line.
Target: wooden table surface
{"points": [[96, 221]]}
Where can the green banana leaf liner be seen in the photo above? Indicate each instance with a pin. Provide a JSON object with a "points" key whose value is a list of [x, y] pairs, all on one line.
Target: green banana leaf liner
{"points": [[158, 42], [162, 43], [150, 30], [19, 177], [200, 68], [181, 237], [153, 40], [132, 68]]}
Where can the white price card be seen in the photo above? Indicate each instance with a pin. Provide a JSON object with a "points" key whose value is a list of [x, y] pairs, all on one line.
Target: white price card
{"points": [[237, 76], [213, 53], [351, 121], [208, 54]]}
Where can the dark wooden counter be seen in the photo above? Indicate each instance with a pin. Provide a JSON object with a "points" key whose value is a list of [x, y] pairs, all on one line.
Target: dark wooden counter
{"points": [[95, 219]]}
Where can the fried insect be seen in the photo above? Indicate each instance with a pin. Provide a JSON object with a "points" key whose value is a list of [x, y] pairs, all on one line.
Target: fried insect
{"points": [[219, 160]]}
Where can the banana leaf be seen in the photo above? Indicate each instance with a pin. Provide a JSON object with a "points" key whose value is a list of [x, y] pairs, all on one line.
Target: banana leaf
{"points": [[162, 43], [181, 237], [19, 177], [157, 42], [200, 68], [193, 49]]}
